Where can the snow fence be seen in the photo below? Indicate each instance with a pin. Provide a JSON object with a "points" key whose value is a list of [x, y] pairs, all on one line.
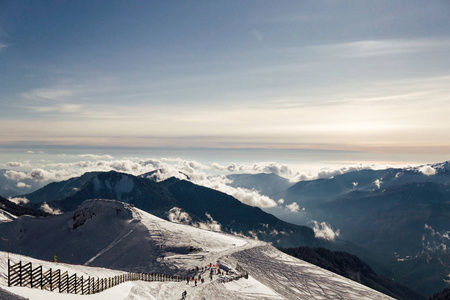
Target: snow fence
{"points": [[25, 275]]}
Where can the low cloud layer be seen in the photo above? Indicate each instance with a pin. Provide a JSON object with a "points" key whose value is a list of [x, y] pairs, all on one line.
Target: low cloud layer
{"points": [[164, 168], [94, 156], [269, 167]]}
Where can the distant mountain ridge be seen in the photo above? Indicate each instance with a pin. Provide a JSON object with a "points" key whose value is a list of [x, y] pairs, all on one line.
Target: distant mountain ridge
{"points": [[400, 214], [268, 184]]}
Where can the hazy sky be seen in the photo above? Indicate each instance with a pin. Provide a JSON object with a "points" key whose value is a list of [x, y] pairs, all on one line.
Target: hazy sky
{"points": [[369, 76]]}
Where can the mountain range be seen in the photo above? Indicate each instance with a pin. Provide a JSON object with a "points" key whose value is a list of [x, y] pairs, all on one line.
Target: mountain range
{"points": [[394, 219], [401, 215], [178, 200]]}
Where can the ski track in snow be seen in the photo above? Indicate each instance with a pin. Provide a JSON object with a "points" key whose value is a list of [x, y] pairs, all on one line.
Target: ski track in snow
{"points": [[115, 242], [272, 274]]}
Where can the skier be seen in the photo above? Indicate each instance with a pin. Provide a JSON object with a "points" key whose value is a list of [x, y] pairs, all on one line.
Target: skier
{"points": [[55, 257], [183, 295]]}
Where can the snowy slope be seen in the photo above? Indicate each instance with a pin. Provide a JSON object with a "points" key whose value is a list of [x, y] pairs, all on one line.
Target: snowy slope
{"points": [[273, 274], [6, 216]]}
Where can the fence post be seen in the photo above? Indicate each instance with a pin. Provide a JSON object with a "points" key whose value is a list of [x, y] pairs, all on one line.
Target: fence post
{"points": [[51, 280], [59, 280], [20, 273], [31, 275], [9, 272]]}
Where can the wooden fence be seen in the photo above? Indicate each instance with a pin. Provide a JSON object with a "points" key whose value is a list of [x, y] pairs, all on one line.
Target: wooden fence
{"points": [[243, 274], [24, 275]]}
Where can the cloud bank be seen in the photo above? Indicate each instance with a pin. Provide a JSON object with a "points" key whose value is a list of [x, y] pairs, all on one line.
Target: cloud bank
{"points": [[263, 167]]}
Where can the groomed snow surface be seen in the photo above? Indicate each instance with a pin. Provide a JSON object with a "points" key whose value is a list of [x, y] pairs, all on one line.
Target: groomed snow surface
{"points": [[273, 274]]}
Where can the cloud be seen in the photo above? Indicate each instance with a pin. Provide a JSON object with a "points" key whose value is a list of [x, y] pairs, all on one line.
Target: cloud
{"points": [[15, 175], [250, 197], [46, 208], [94, 156], [176, 215], [38, 175], [433, 241], [263, 167], [326, 173], [14, 164], [212, 225], [324, 231], [35, 152], [17, 164], [378, 183], [19, 200], [293, 207], [42, 175], [427, 170], [54, 94], [165, 168], [373, 48], [2, 46], [23, 185]]}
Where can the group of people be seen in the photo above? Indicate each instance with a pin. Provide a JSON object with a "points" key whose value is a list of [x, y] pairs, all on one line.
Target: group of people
{"points": [[202, 270]]}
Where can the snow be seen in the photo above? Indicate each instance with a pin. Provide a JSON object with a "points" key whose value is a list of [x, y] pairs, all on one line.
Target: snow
{"points": [[272, 274], [6, 216]]}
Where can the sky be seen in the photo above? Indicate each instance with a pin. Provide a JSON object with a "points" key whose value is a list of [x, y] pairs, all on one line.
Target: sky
{"points": [[288, 81]]}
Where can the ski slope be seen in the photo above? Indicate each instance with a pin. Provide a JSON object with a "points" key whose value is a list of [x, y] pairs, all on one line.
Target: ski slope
{"points": [[273, 274]]}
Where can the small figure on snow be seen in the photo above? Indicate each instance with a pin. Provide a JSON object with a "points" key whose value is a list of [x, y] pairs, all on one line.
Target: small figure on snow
{"points": [[183, 295], [55, 257]]}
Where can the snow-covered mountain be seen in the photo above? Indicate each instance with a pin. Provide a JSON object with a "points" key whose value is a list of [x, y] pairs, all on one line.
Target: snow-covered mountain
{"points": [[108, 233], [179, 200]]}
